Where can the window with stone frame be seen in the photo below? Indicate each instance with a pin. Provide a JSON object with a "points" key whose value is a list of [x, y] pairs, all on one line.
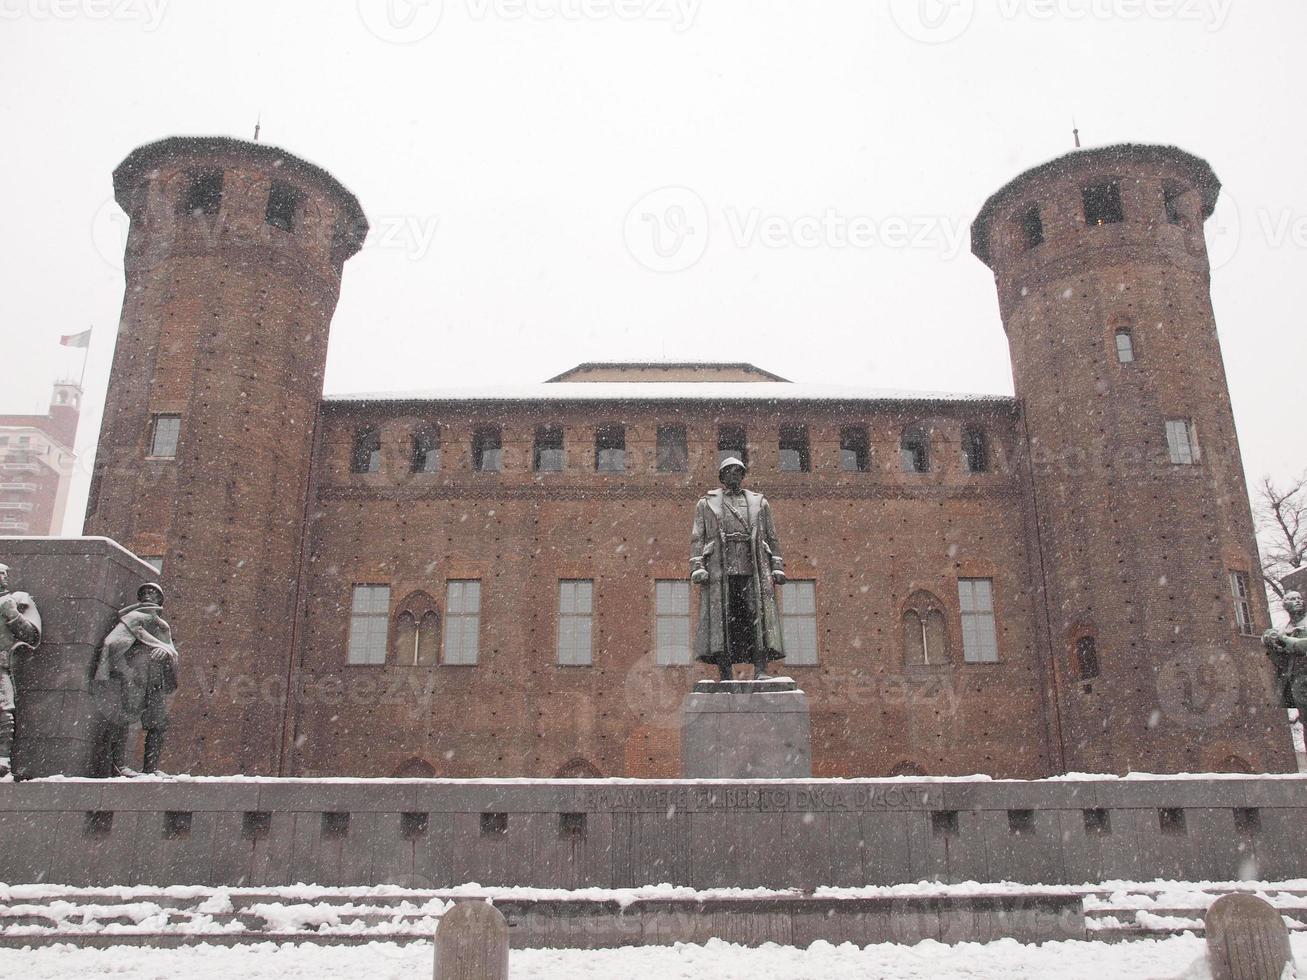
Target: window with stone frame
{"points": [[368, 618], [547, 451], [415, 632], [487, 450], [610, 448], [925, 631], [365, 456], [462, 621], [979, 636], [793, 447], [914, 448], [1243, 610], [424, 450]]}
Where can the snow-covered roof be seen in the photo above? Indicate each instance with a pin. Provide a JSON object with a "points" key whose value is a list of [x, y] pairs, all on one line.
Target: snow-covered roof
{"points": [[760, 392]]}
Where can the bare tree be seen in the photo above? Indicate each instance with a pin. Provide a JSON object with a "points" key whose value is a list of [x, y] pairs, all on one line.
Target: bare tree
{"points": [[1281, 517]]}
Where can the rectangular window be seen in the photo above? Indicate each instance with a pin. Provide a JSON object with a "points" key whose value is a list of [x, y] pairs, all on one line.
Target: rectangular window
{"points": [[610, 449], [462, 620], [575, 621], [1030, 227], [975, 452], [283, 204], [487, 449], [979, 642], [203, 194], [855, 449], [1243, 611], [368, 617], [1181, 441], [425, 450], [732, 441], [673, 456], [1103, 204], [164, 435], [794, 449], [1125, 347], [1171, 195], [548, 452], [672, 616], [799, 623], [366, 454], [914, 450]]}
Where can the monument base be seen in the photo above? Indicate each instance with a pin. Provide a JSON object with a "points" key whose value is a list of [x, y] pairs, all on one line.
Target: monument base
{"points": [[746, 730]]}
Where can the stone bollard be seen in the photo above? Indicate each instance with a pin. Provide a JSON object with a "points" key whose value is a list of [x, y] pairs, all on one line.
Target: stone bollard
{"points": [[1246, 939], [472, 943]]}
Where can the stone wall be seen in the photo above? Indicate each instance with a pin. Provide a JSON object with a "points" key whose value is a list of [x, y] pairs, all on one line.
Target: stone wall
{"points": [[580, 833]]}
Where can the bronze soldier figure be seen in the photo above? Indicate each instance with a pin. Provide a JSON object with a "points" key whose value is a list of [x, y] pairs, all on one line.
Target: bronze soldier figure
{"points": [[735, 558], [135, 670], [1287, 649], [20, 632]]}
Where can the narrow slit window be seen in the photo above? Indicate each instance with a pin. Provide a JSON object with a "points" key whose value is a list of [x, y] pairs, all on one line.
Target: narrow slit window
{"points": [[1172, 195], [1030, 228], [1243, 610], [1086, 658]]}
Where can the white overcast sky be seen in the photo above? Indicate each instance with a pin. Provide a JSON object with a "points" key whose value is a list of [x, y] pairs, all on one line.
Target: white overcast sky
{"points": [[504, 151]]}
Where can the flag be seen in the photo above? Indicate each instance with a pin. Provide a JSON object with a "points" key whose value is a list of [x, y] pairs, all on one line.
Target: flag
{"points": [[82, 339]]}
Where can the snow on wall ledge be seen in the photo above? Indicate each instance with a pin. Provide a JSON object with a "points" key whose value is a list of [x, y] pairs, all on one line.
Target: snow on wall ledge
{"points": [[626, 833]]}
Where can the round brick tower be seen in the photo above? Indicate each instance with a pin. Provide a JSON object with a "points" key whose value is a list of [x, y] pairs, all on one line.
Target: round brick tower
{"points": [[1141, 533], [233, 268]]}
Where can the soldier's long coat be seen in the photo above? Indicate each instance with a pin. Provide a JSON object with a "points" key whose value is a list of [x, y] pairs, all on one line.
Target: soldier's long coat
{"points": [[707, 550], [129, 682]]}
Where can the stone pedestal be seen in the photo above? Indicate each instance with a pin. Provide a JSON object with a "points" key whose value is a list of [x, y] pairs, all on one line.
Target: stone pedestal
{"points": [[746, 730], [78, 585]]}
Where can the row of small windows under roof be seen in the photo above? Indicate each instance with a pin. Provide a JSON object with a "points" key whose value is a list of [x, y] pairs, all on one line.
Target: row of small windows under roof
{"points": [[1102, 206], [672, 450], [202, 194]]}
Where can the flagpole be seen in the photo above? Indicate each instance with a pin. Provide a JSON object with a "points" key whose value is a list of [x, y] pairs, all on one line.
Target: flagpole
{"points": [[86, 353]]}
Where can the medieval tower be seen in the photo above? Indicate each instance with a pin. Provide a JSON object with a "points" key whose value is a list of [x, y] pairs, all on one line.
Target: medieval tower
{"points": [[233, 267], [1146, 565]]}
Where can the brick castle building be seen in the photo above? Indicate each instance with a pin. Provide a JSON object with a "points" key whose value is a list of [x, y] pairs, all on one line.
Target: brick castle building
{"points": [[494, 582], [36, 464]]}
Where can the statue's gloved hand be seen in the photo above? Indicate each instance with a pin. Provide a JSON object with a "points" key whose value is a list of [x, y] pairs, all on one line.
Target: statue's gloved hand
{"points": [[8, 607], [1272, 639], [699, 576], [778, 577]]}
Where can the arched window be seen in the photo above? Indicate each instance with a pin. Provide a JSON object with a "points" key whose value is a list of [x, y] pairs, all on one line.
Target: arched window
{"points": [[366, 457], [415, 631], [925, 631], [424, 452], [577, 768], [1084, 658], [1125, 346], [907, 769], [914, 448]]}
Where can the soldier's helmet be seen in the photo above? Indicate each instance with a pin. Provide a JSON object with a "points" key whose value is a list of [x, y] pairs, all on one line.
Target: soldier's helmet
{"points": [[731, 461], [146, 589]]}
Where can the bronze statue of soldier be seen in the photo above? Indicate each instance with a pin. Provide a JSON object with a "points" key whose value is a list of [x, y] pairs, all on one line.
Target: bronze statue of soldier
{"points": [[134, 672], [1287, 649], [735, 559], [20, 632]]}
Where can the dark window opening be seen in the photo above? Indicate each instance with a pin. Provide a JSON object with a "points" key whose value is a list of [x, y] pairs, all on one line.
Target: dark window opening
{"points": [[1098, 823], [1171, 195], [425, 455], [203, 194], [855, 449], [975, 450], [412, 825], [571, 826], [283, 205], [732, 441], [610, 449], [99, 823], [366, 457], [494, 824], [672, 452], [487, 450], [794, 449], [1031, 227], [914, 450], [944, 823], [1021, 822], [1103, 204], [1170, 820], [1247, 820], [256, 824], [547, 455], [176, 824], [1086, 658], [335, 825]]}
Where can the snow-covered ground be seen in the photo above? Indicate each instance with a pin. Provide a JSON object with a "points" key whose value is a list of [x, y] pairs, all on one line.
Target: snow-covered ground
{"points": [[1177, 957]]}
